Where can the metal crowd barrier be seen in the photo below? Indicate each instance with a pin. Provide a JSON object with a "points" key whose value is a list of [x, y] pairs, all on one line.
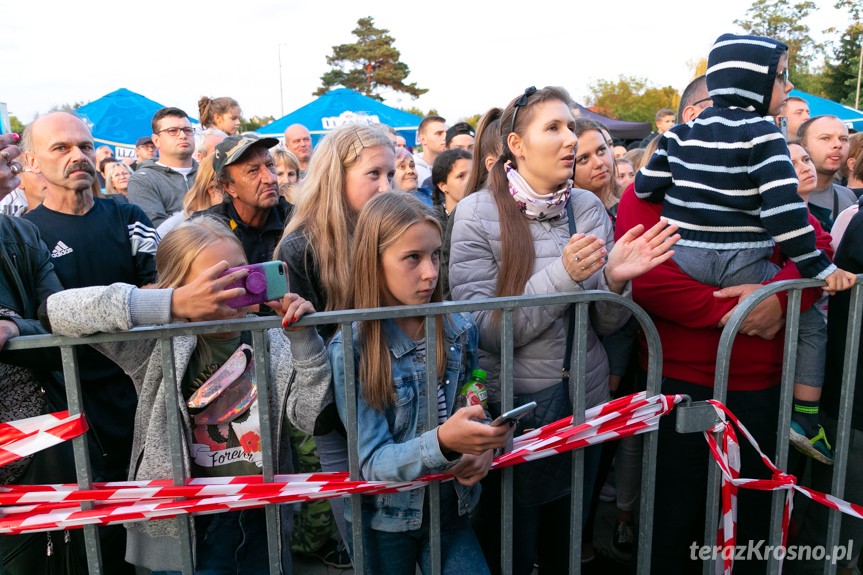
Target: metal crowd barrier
{"points": [[720, 392], [258, 327]]}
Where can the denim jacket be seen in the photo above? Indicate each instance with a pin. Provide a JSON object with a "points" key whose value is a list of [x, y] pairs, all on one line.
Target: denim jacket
{"points": [[396, 445]]}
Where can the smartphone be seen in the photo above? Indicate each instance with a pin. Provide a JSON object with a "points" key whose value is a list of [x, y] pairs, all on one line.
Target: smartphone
{"points": [[513, 415], [782, 123], [265, 282]]}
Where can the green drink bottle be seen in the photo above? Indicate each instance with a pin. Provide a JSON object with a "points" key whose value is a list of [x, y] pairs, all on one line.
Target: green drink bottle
{"points": [[473, 392]]}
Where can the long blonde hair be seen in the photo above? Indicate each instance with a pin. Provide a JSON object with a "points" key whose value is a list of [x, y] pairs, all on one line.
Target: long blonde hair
{"points": [[179, 248], [382, 222], [198, 196], [322, 210]]}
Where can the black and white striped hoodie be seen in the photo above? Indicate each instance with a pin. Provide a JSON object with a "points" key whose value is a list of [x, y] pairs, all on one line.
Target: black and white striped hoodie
{"points": [[726, 178]]}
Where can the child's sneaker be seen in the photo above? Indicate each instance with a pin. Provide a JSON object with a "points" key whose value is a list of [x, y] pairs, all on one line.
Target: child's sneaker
{"points": [[815, 447]]}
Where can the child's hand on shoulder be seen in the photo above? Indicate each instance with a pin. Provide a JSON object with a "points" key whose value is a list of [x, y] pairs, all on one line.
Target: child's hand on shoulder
{"points": [[293, 307], [462, 432], [472, 468]]}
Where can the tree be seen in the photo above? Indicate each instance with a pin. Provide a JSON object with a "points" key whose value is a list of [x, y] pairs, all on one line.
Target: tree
{"points": [[840, 74], [631, 98], [783, 21], [67, 107], [254, 123], [16, 125], [370, 65], [417, 112]]}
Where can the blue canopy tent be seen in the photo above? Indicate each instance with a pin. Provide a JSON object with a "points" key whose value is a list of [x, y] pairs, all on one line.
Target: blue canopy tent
{"points": [[118, 119], [342, 106], [819, 106]]}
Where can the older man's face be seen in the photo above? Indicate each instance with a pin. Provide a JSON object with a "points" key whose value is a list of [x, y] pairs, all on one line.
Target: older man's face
{"points": [[298, 140], [145, 151], [63, 152], [255, 187]]}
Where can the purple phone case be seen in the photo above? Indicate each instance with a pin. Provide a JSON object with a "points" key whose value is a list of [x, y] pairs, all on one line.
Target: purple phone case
{"points": [[264, 283]]}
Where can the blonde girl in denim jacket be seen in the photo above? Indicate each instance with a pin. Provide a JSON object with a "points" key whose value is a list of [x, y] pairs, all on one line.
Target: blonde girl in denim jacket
{"points": [[396, 261]]}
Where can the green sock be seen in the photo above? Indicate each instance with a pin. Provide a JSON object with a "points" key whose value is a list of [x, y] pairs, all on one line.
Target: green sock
{"points": [[805, 413]]}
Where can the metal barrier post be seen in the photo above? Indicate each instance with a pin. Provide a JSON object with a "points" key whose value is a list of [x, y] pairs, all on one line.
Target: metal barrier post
{"points": [[576, 392], [176, 435], [262, 381], [353, 447], [432, 377], [846, 407], [82, 456], [178, 438], [786, 399], [506, 403], [649, 443]]}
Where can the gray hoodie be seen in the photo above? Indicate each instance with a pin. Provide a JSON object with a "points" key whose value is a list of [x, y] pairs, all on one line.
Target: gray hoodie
{"points": [[159, 190], [299, 371]]}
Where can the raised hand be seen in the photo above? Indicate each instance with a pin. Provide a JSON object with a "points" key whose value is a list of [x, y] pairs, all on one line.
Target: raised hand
{"points": [[636, 253], [583, 256], [203, 299], [293, 307], [9, 166]]}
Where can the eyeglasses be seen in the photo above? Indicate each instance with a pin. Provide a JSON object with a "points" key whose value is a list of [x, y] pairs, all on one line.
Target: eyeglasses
{"points": [[174, 132], [783, 76], [701, 101], [522, 101]]}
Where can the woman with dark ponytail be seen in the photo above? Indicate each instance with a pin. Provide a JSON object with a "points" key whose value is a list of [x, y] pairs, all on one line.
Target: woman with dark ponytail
{"points": [[529, 201]]}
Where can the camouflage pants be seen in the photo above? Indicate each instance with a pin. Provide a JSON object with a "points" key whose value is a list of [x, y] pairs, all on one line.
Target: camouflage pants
{"points": [[316, 523]]}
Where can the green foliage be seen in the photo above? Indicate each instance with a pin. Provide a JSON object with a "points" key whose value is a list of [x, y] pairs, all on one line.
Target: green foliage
{"points": [[370, 65], [417, 112], [783, 21], [16, 125], [254, 123], [67, 107], [474, 120], [631, 98], [842, 69]]}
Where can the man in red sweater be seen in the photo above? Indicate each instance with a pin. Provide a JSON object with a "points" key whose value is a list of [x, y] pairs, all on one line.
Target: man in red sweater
{"points": [[689, 317]]}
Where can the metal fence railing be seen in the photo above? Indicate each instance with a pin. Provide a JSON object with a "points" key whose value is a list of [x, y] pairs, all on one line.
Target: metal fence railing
{"points": [[581, 301], [720, 390], [258, 327]]}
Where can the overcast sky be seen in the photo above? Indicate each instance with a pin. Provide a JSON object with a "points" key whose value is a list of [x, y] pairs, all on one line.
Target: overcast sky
{"points": [[470, 55]]}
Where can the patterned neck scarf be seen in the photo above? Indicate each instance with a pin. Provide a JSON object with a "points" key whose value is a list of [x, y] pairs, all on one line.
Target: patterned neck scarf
{"points": [[539, 207]]}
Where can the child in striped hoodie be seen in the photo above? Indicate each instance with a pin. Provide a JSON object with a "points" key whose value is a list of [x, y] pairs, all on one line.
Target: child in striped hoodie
{"points": [[727, 181]]}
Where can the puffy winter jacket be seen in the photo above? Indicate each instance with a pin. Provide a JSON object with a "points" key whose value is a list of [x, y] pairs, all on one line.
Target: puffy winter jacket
{"points": [[539, 332]]}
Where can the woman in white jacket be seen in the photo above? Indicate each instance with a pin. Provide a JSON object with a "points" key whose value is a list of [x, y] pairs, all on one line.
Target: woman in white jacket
{"points": [[526, 205], [189, 261]]}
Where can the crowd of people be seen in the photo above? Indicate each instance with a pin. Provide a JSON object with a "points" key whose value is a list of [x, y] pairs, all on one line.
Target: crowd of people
{"points": [[737, 189]]}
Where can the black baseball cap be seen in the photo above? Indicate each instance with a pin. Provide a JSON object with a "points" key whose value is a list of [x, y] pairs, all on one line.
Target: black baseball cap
{"points": [[143, 140], [458, 129]]}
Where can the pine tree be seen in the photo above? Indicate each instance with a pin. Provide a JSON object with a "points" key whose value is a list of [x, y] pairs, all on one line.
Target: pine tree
{"points": [[370, 65]]}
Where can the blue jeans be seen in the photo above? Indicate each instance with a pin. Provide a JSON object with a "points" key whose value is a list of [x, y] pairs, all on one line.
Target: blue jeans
{"points": [[230, 543], [725, 268], [400, 553]]}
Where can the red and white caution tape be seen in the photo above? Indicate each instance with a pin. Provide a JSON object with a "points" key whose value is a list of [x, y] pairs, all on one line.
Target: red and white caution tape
{"points": [[27, 436], [52, 507], [726, 452]]}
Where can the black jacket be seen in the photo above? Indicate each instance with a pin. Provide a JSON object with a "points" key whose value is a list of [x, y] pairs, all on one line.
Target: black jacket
{"points": [[849, 257], [258, 245]]}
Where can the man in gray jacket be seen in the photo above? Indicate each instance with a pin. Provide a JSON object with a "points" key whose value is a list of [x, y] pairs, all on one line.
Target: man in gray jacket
{"points": [[160, 184]]}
